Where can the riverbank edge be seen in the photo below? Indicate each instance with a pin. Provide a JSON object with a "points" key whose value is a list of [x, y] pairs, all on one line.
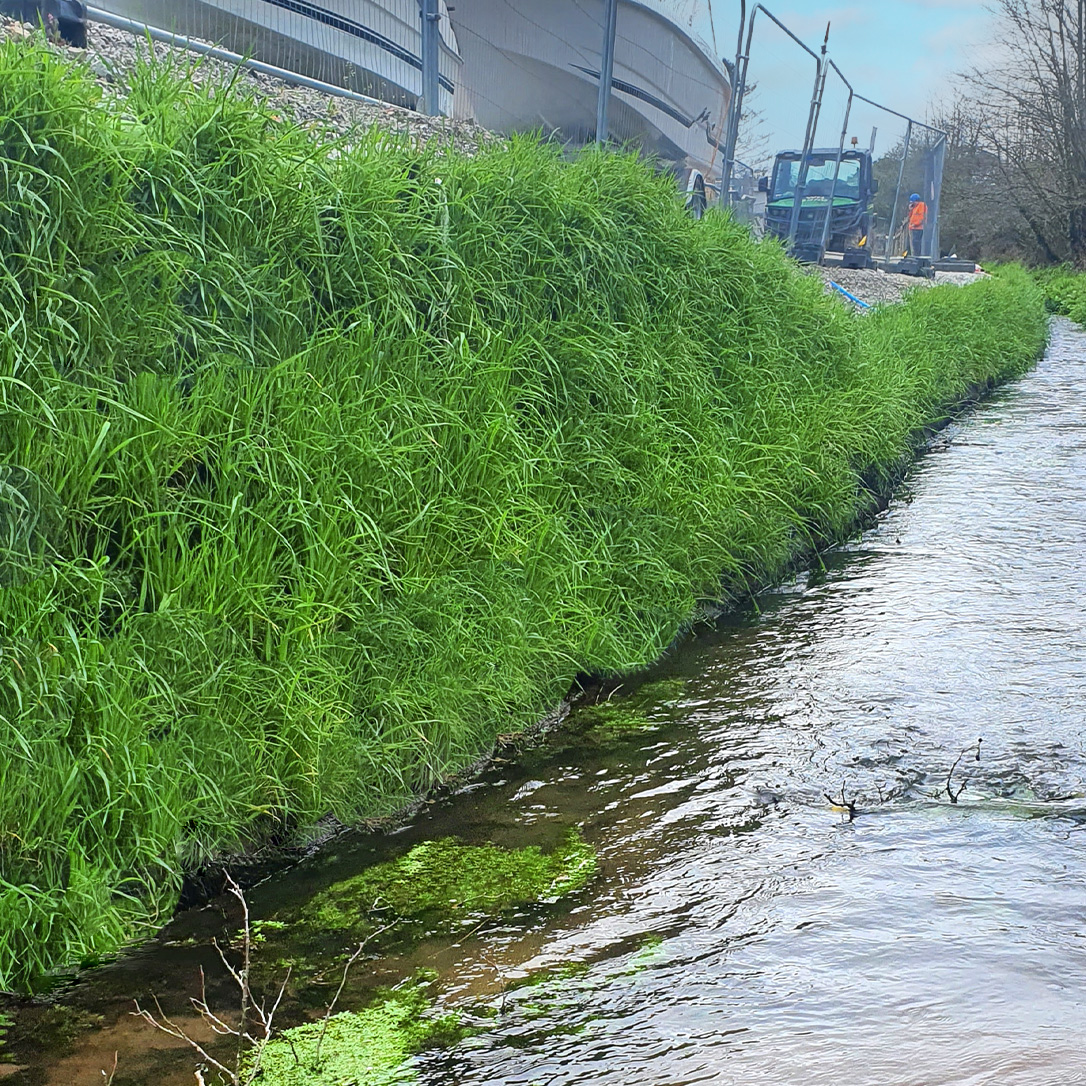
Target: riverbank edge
{"points": [[883, 494], [203, 886], [878, 483], [691, 391]]}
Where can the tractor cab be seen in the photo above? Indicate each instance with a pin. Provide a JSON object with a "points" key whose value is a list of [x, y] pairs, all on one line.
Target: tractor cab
{"points": [[842, 194]]}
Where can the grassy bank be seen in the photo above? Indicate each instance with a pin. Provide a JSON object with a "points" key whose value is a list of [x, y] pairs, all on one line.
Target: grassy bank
{"points": [[322, 465], [1064, 289]]}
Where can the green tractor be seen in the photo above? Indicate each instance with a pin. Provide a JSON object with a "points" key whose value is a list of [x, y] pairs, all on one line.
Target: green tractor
{"points": [[851, 187]]}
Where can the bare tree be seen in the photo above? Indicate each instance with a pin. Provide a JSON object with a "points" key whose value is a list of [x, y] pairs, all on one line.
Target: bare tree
{"points": [[1032, 112], [753, 138], [980, 218]]}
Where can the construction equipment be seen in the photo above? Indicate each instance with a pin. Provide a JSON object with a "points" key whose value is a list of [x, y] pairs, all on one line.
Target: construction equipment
{"points": [[918, 266], [821, 200], [844, 192]]}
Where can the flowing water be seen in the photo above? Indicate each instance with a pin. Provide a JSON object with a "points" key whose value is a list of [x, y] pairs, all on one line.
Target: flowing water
{"points": [[741, 929]]}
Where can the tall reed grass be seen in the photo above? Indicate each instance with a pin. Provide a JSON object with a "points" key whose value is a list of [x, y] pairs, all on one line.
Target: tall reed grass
{"points": [[1064, 287], [323, 463]]}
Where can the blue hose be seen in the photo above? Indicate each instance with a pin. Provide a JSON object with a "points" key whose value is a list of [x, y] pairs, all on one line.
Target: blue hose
{"points": [[850, 297]]}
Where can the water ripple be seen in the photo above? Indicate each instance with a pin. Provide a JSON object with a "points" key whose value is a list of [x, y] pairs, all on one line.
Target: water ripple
{"points": [[926, 942]]}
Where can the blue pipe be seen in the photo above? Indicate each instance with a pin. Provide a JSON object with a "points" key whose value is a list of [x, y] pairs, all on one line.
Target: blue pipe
{"points": [[850, 297]]}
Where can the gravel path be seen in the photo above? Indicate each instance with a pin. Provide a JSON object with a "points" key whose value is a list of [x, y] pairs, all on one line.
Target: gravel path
{"points": [[879, 287]]}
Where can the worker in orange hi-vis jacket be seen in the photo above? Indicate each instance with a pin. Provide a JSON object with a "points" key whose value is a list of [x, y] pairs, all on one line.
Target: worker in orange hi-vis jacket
{"points": [[918, 219]]}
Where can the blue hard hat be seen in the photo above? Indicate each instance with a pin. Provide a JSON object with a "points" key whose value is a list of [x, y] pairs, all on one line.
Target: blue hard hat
{"points": [[915, 198]]}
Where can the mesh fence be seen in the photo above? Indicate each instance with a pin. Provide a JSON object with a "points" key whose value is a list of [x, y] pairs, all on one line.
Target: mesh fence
{"points": [[368, 47]]}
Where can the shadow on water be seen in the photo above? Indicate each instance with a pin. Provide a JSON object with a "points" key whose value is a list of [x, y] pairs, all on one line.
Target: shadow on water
{"points": [[740, 929]]}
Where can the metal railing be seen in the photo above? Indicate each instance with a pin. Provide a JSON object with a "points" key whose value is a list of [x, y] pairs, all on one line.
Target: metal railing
{"points": [[214, 52], [742, 67], [840, 156], [397, 51]]}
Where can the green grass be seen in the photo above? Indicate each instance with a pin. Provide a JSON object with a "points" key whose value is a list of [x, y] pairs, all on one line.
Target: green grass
{"points": [[322, 464], [1065, 291]]}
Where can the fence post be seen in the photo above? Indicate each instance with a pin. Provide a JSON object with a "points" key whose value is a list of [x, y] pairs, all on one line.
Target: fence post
{"points": [[897, 191], [607, 68], [938, 169], [827, 225], [808, 142], [431, 55], [735, 108]]}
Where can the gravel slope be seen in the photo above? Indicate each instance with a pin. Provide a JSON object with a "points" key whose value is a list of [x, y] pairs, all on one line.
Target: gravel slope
{"points": [[112, 54], [879, 287]]}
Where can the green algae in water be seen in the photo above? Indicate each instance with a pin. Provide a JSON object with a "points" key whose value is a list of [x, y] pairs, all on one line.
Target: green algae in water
{"points": [[371, 1047], [262, 930], [653, 952], [628, 713], [446, 880], [564, 1000], [608, 721], [587, 975]]}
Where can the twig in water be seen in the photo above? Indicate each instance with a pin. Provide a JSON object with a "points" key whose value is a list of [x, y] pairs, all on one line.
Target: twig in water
{"points": [[954, 796], [171, 1029], [843, 804], [339, 991], [503, 982]]}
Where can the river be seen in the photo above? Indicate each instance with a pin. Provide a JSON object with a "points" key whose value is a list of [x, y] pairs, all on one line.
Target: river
{"points": [[742, 929]]}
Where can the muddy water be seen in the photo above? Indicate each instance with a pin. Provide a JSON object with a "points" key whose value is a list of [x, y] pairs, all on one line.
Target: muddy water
{"points": [[741, 929]]}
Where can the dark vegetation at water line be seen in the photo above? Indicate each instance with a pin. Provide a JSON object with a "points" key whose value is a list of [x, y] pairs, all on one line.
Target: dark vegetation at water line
{"points": [[321, 465]]}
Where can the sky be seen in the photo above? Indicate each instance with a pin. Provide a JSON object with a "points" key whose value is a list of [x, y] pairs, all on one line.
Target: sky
{"points": [[904, 53]]}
